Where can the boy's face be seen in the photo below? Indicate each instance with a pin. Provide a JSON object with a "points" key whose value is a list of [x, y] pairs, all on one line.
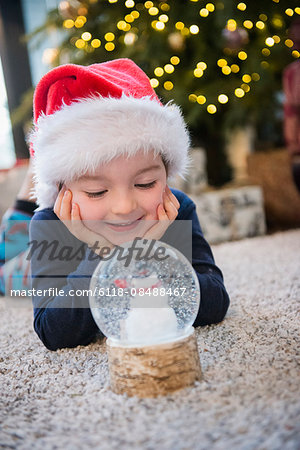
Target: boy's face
{"points": [[120, 199]]}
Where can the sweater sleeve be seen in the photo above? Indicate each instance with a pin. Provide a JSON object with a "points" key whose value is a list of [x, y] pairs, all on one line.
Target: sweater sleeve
{"points": [[62, 317], [214, 301]]}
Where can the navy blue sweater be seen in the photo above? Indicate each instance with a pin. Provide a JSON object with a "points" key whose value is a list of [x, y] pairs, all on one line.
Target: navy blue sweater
{"points": [[61, 320]]}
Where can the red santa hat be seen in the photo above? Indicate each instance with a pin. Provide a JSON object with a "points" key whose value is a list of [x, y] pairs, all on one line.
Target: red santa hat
{"points": [[86, 116]]}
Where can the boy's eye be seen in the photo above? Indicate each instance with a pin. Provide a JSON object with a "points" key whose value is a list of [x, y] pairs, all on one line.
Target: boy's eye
{"points": [[95, 194], [146, 185], [140, 185]]}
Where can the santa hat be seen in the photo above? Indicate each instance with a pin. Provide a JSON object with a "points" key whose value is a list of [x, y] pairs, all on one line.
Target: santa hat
{"points": [[86, 116]]}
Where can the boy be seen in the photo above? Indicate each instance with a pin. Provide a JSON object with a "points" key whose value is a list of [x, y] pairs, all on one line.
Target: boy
{"points": [[102, 149]]}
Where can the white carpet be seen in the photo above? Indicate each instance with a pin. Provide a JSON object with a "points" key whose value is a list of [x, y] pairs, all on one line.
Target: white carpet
{"points": [[249, 399]]}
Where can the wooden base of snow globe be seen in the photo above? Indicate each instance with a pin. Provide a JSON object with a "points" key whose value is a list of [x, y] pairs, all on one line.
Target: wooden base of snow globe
{"points": [[154, 370]]}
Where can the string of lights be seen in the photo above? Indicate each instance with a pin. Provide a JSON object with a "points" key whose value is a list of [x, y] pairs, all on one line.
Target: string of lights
{"points": [[126, 31]]}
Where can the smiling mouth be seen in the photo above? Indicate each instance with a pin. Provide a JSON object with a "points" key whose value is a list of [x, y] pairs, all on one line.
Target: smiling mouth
{"points": [[123, 226]]}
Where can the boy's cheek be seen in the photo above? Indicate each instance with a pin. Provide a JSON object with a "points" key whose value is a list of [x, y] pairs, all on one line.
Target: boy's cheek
{"points": [[155, 203], [154, 214], [85, 211]]}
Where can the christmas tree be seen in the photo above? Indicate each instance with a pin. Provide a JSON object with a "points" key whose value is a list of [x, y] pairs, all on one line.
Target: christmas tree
{"points": [[221, 61]]}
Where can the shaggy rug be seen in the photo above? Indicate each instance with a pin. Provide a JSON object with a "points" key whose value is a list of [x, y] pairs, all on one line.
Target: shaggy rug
{"points": [[249, 398]]}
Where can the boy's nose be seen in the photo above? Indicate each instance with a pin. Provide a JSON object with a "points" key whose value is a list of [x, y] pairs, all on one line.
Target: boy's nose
{"points": [[123, 204]]}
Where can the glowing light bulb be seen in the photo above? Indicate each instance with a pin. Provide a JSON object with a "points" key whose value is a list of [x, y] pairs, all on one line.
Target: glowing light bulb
{"points": [[198, 73], [226, 70], [69, 23], [202, 65], [263, 17], [145, 302], [165, 7], [130, 38], [211, 109], [222, 62], [260, 25], [121, 24], [201, 99], [239, 92], [153, 11], [129, 18], [159, 25], [79, 23], [210, 7], [154, 82], [242, 6], [255, 76], [289, 12], [86, 36], [109, 36], [168, 85], [245, 87], [80, 43], [204, 12], [148, 4], [109, 46], [159, 71], [234, 68], [246, 78], [194, 29], [193, 98], [169, 68], [270, 42], [96, 43], [289, 43], [175, 60], [222, 98], [265, 52], [179, 25], [242, 55], [248, 24], [163, 18], [231, 25]]}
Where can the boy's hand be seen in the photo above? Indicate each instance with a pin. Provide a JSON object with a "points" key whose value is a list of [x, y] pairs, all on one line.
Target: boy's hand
{"points": [[69, 214], [167, 213]]}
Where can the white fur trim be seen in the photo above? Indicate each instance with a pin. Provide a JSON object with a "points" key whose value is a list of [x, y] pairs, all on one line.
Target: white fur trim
{"points": [[81, 136]]}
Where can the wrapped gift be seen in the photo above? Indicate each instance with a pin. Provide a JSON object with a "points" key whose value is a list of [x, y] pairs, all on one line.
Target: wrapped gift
{"points": [[230, 214]]}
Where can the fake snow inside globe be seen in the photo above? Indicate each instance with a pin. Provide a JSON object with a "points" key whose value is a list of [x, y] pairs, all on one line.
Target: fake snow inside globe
{"points": [[139, 301]]}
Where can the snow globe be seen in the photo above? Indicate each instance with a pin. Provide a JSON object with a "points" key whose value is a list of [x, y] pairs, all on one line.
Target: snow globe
{"points": [[144, 298]]}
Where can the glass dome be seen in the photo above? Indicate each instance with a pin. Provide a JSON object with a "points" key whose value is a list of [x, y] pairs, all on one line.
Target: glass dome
{"points": [[139, 301]]}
